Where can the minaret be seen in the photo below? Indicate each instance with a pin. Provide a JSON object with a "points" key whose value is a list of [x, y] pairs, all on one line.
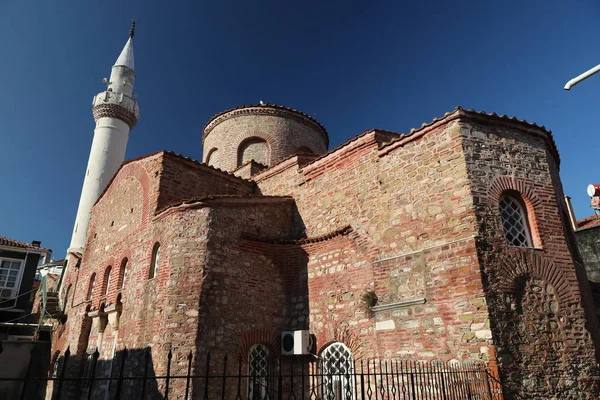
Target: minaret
{"points": [[116, 113]]}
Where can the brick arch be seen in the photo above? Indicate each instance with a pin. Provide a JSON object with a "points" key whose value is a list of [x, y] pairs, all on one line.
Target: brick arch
{"points": [[136, 171], [242, 148], [244, 136], [341, 333], [517, 263], [267, 336], [503, 184], [213, 154], [132, 170]]}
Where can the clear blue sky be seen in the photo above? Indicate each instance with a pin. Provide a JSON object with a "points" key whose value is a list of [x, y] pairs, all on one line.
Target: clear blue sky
{"points": [[387, 65]]}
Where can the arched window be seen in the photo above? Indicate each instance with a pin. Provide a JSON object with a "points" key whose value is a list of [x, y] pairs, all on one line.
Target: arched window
{"points": [[106, 284], [337, 367], [213, 157], [258, 370], [90, 292], [155, 261], [123, 272], [515, 220], [253, 149]]}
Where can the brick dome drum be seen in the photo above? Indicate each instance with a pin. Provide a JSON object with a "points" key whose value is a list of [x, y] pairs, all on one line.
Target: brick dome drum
{"points": [[264, 133]]}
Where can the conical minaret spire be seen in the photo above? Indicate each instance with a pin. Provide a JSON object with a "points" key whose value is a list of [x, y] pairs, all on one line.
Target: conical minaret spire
{"points": [[116, 113]]}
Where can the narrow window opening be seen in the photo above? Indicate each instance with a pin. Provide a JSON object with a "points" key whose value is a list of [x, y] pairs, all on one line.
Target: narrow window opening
{"points": [[91, 287], [155, 261]]}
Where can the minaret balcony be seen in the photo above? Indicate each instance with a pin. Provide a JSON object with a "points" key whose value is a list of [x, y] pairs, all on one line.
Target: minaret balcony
{"points": [[117, 98]]}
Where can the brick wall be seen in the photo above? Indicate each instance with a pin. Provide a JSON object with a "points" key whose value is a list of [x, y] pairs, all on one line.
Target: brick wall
{"points": [[510, 158], [411, 219], [397, 202]]}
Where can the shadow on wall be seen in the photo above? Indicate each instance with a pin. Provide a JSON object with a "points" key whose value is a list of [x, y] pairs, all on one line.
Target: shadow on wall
{"points": [[266, 286], [129, 375], [19, 359]]}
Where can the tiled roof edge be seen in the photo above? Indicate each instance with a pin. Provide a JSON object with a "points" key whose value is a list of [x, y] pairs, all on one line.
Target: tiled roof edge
{"points": [[195, 200], [4, 241], [266, 105]]}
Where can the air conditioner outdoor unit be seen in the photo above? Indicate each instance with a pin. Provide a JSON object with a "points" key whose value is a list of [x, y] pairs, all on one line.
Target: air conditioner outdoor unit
{"points": [[6, 294], [295, 343]]}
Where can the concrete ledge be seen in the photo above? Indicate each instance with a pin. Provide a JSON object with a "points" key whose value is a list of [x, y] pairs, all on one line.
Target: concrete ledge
{"points": [[400, 304]]}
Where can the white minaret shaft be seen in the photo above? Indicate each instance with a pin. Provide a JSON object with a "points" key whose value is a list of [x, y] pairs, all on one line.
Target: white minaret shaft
{"points": [[116, 113]]}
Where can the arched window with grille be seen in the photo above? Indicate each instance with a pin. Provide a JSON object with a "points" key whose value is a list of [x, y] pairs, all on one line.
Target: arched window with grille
{"points": [[258, 370], [515, 220], [92, 283], [337, 369], [155, 260]]}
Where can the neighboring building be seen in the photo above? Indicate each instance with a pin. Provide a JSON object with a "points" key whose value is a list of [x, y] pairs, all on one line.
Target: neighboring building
{"points": [[18, 267], [587, 232], [449, 242]]}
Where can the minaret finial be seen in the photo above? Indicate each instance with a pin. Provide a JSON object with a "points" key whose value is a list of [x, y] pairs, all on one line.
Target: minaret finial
{"points": [[132, 30]]}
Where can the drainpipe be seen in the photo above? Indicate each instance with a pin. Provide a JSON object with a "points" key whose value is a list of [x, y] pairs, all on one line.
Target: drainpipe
{"points": [[571, 213]]}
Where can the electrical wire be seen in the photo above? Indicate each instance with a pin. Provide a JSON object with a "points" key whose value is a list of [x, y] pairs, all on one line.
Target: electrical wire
{"points": [[22, 294], [21, 317]]}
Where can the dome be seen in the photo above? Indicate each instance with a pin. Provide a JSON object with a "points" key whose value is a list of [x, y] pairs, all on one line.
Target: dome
{"points": [[265, 133]]}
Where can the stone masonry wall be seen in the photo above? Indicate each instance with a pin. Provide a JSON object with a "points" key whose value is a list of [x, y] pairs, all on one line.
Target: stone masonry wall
{"points": [[123, 228], [398, 202], [539, 360]]}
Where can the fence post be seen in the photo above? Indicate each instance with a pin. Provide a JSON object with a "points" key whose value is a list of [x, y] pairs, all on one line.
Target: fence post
{"points": [[169, 357], [239, 379], [95, 357], [145, 378], [362, 379], [62, 372], [280, 382], [224, 377], [189, 373], [412, 380], [206, 376], [121, 371], [443, 383]]}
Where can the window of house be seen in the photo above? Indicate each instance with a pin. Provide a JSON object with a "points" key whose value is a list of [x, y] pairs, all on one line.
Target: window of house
{"points": [[10, 273], [107, 280], [123, 272], [155, 261], [337, 367], [515, 221], [90, 292], [258, 370]]}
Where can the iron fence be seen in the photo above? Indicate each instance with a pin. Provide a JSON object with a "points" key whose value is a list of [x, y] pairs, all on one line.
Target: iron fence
{"points": [[130, 376]]}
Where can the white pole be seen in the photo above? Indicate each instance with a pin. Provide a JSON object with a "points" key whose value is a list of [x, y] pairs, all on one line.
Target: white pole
{"points": [[581, 77]]}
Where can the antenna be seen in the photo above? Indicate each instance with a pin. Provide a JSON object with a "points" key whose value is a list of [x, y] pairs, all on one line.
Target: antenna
{"points": [[582, 77]]}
